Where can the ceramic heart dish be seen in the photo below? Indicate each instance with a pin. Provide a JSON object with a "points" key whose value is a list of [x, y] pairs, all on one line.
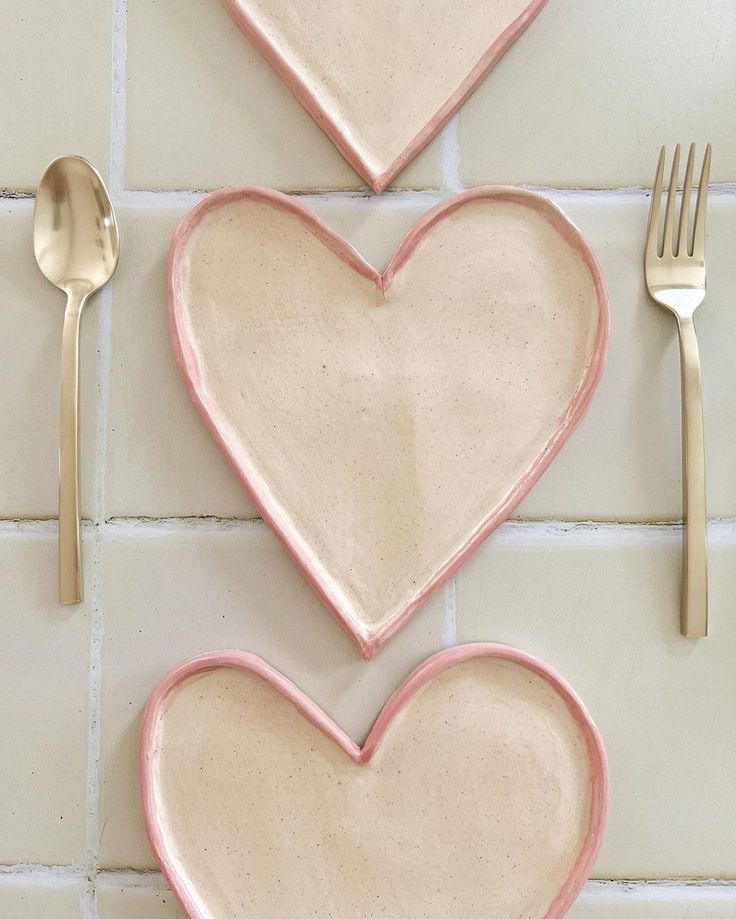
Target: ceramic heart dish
{"points": [[480, 791], [386, 424], [379, 77]]}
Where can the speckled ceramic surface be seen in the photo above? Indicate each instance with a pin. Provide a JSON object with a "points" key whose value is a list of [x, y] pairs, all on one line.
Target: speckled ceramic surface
{"points": [[480, 791], [385, 424], [381, 78]]}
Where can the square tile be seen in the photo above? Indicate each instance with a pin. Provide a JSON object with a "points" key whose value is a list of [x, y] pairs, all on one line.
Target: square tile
{"points": [[162, 460], [43, 717], [115, 902], [26, 900], [172, 596], [204, 109], [604, 610], [30, 369], [54, 86], [574, 105], [624, 460]]}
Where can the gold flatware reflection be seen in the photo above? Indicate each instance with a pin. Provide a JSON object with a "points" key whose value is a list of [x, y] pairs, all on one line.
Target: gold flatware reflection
{"points": [[75, 240], [674, 266]]}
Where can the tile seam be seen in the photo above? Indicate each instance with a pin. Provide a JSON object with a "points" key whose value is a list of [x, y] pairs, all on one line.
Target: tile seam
{"points": [[450, 156], [720, 529], [118, 101], [116, 165], [183, 197], [449, 628], [93, 733], [144, 527], [45, 876]]}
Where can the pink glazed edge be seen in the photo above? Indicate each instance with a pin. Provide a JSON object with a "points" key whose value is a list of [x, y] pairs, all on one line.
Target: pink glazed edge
{"points": [[291, 77], [432, 666], [369, 641]]}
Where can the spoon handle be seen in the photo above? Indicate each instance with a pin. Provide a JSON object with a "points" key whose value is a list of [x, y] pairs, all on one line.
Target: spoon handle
{"points": [[70, 550]]}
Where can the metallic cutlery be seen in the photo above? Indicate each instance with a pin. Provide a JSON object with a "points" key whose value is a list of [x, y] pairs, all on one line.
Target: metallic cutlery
{"points": [[75, 240], [674, 267]]}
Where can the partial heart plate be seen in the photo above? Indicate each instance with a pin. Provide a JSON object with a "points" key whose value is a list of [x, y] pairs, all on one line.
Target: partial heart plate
{"points": [[480, 791], [385, 424], [379, 77]]}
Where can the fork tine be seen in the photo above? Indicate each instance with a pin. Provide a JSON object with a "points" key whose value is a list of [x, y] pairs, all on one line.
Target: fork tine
{"points": [[669, 212], [652, 245], [699, 228], [682, 230]]}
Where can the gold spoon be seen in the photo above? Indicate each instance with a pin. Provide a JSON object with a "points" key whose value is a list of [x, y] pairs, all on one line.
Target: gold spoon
{"points": [[75, 240]]}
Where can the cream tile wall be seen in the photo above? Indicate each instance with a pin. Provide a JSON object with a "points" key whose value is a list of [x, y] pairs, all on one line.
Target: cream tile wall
{"points": [[56, 80], [597, 87], [169, 100], [40, 896]]}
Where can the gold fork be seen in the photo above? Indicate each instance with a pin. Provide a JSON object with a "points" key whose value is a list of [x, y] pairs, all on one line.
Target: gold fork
{"points": [[675, 275]]}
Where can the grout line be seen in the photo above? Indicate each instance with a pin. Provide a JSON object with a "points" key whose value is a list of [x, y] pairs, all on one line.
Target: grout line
{"points": [[575, 532], [122, 527], [116, 169], [131, 879], [118, 104], [676, 891], [721, 531], [44, 877], [31, 527], [449, 628], [89, 909], [616, 194], [703, 890], [36, 526], [428, 197], [104, 376], [184, 200], [450, 156], [186, 197], [12, 200]]}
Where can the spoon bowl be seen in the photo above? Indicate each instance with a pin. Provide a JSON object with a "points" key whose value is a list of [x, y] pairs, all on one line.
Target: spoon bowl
{"points": [[75, 234], [76, 244]]}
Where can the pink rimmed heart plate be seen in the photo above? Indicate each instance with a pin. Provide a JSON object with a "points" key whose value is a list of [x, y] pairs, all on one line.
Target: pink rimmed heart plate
{"points": [[379, 77], [385, 424], [480, 791]]}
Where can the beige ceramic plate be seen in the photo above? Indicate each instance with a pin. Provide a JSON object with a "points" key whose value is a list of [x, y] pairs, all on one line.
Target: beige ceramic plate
{"points": [[480, 792], [385, 424], [380, 77]]}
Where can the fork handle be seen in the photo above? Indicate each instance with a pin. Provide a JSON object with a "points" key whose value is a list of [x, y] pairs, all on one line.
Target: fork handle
{"points": [[694, 615], [70, 550]]}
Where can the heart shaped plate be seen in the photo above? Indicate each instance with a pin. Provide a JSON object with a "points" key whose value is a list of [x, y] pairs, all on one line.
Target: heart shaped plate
{"points": [[480, 791], [385, 424], [379, 77]]}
